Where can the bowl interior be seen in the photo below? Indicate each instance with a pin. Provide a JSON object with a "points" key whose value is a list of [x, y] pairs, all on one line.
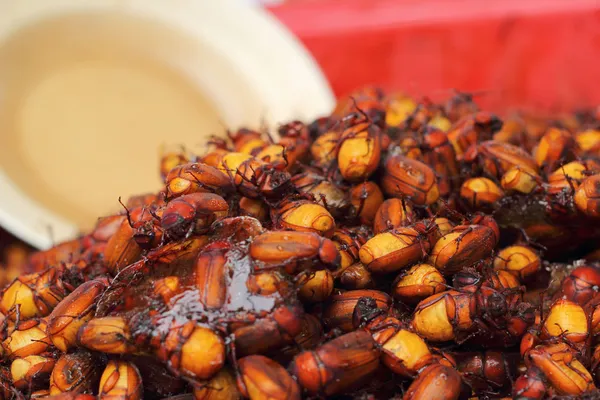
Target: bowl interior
{"points": [[88, 98]]}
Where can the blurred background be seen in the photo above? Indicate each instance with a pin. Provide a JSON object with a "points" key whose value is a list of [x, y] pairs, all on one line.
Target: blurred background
{"points": [[534, 54], [538, 55]]}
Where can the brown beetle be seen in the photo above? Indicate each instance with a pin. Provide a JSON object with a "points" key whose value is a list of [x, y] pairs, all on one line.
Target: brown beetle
{"points": [[75, 372], [348, 244], [120, 380], [462, 247], [122, 249], [568, 177], [167, 288], [267, 283], [581, 285], [192, 350], [437, 317], [399, 107], [405, 352], [315, 287], [106, 227], [588, 140], [254, 208], [412, 179], [192, 213], [391, 251], [437, 382], [530, 386], [557, 145], [323, 149], [522, 261], [364, 103], [197, 177], [520, 180], [170, 160], [32, 371], [564, 372], [339, 309], [35, 294], [222, 386], [295, 138], [274, 331], [337, 365], [474, 311], [366, 198], [392, 214], [278, 248], [356, 276], [107, 334], [487, 372], [214, 158], [278, 154], [566, 320], [247, 141], [495, 158], [262, 378], [267, 180], [147, 232], [309, 337], [471, 129], [26, 339], [480, 192], [432, 147], [323, 191], [587, 196], [418, 283], [305, 216], [72, 312], [211, 280]]}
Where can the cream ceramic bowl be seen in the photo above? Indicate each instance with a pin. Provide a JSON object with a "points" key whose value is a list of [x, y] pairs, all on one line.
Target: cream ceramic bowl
{"points": [[89, 91]]}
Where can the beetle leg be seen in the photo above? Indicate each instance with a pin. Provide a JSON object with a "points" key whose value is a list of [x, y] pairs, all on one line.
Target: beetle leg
{"points": [[361, 111], [530, 241], [231, 354], [127, 213], [480, 325], [303, 277], [324, 200], [189, 232], [427, 303], [203, 185], [462, 338], [474, 199], [333, 150], [577, 371], [462, 235], [17, 314]]}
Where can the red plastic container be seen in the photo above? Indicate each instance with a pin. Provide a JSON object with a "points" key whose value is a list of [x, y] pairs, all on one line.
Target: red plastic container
{"points": [[532, 54]]}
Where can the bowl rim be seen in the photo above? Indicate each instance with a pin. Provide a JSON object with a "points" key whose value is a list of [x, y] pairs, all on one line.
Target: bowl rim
{"points": [[224, 22]]}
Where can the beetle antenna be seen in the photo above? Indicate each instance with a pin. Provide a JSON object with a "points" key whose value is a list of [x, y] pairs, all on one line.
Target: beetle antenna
{"points": [[154, 215], [360, 110], [127, 212], [284, 156]]}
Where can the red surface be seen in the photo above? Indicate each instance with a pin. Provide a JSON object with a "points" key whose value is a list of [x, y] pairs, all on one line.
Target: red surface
{"points": [[537, 54]]}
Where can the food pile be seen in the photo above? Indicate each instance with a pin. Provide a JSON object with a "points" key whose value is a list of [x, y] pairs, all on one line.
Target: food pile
{"points": [[394, 249]]}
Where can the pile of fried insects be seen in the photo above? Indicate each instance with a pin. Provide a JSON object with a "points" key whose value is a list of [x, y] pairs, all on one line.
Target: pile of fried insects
{"points": [[394, 249]]}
